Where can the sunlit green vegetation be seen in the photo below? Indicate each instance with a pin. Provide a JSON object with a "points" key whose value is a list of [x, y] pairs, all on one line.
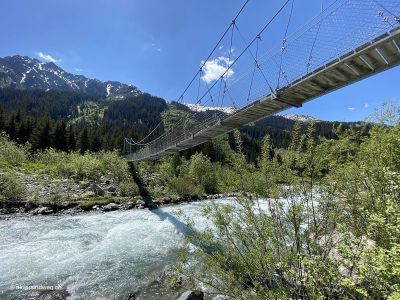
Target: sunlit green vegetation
{"points": [[324, 221]]}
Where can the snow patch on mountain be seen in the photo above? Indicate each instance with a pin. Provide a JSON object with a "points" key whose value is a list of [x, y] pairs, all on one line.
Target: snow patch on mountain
{"points": [[202, 108], [16, 72], [300, 118]]}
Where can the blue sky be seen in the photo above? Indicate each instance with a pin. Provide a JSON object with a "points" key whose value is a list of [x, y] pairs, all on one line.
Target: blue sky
{"points": [[157, 45]]}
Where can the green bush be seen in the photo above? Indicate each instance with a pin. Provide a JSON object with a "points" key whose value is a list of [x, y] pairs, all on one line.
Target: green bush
{"points": [[128, 189], [185, 188], [114, 165], [10, 190], [11, 155], [202, 173], [332, 231], [86, 166], [51, 156]]}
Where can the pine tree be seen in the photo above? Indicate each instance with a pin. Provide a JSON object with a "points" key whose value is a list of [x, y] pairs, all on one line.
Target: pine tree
{"points": [[59, 136], [11, 127], [71, 139], [41, 135], [2, 119], [96, 144], [84, 143]]}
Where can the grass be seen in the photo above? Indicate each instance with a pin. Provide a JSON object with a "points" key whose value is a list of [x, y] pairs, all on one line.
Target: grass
{"points": [[16, 161]]}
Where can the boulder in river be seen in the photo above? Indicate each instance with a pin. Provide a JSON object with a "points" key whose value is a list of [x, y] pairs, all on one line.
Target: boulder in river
{"points": [[140, 202], [192, 295], [43, 210], [126, 205], [110, 207], [95, 188]]}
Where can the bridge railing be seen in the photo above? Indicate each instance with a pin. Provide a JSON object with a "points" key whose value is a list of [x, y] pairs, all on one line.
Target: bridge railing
{"points": [[341, 28]]}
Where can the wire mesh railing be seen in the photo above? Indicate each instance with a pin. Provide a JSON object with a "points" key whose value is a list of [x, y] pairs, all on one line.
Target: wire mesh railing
{"points": [[342, 27]]}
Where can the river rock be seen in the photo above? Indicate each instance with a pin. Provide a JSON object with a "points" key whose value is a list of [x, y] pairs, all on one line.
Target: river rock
{"points": [[95, 188], [3, 211], [126, 205], [140, 202], [112, 189], [191, 295], [152, 206], [110, 207], [43, 210], [165, 200], [132, 296]]}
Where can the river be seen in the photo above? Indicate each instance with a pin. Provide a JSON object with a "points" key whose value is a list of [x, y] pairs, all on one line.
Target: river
{"points": [[92, 256]]}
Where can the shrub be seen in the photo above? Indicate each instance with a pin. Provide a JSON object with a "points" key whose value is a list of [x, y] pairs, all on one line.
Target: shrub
{"points": [[184, 187], [202, 172], [10, 189], [51, 156], [86, 166], [332, 237], [11, 154], [115, 165], [128, 189]]}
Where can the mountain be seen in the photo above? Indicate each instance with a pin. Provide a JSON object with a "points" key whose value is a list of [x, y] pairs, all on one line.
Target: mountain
{"points": [[202, 108], [25, 73], [300, 118]]}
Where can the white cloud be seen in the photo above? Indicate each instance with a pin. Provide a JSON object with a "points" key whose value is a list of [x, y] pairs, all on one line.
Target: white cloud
{"points": [[78, 70], [221, 47], [213, 69], [351, 108], [48, 57], [366, 105]]}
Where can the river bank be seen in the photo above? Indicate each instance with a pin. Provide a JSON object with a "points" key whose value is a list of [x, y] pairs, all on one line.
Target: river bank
{"points": [[44, 195]]}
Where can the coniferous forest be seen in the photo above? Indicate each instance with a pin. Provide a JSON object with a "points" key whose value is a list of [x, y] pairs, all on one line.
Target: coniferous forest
{"points": [[70, 121]]}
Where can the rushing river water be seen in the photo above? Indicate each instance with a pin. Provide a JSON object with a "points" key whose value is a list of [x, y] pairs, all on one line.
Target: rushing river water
{"points": [[92, 256]]}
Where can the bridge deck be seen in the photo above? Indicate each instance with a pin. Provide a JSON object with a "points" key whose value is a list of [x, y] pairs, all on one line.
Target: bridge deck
{"points": [[369, 59]]}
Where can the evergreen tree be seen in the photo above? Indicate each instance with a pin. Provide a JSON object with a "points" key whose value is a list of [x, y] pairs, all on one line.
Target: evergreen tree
{"points": [[71, 139], [59, 136], [84, 143], [11, 127], [96, 144], [41, 135], [2, 121]]}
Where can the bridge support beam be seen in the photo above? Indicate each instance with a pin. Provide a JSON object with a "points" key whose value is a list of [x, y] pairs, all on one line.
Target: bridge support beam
{"points": [[275, 97]]}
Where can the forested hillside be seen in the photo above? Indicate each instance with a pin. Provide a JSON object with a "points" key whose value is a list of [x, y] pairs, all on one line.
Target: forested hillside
{"points": [[70, 121]]}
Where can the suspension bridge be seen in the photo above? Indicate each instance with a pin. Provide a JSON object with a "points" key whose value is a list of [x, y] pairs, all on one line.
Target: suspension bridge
{"points": [[348, 41]]}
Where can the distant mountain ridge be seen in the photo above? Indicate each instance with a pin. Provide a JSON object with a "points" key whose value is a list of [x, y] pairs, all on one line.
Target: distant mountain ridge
{"points": [[25, 73], [300, 118]]}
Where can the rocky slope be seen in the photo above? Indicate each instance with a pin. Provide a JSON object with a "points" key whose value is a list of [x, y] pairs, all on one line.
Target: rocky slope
{"points": [[23, 72]]}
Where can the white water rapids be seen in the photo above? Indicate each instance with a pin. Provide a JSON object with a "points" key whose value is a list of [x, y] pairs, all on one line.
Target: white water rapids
{"points": [[92, 256]]}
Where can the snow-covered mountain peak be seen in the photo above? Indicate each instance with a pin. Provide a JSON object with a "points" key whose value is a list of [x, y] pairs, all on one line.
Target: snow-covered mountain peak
{"points": [[23, 72]]}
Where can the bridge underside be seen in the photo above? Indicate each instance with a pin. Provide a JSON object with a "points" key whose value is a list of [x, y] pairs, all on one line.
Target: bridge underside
{"points": [[369, 59]]}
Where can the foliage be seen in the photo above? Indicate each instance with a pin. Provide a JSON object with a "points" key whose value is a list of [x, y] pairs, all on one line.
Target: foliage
{"points": [[11, 154], [201, 171], [11, 190], [87, 166], [128, 189], [185, 188], [330, 232]]}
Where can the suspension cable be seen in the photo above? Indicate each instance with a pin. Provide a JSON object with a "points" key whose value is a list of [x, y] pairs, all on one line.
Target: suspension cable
{"points": [[236, 59], [204, 63], [284, 42]]}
